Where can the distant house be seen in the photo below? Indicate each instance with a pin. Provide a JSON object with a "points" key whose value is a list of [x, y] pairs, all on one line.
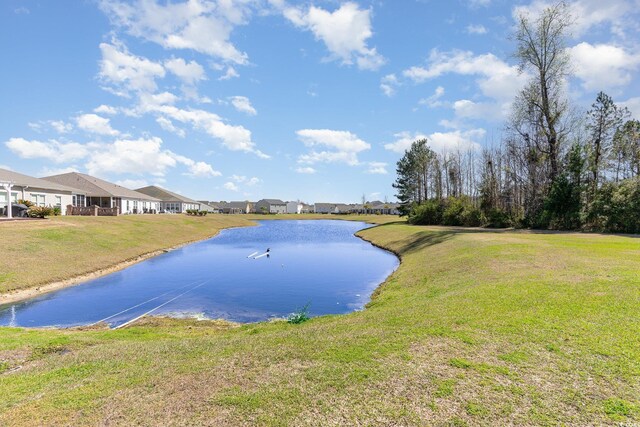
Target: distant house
{"points": [[324, 208], [306, 208], [332, 208], [294, 207], [211, 207], [106, 194], [15, 186], [274, 206], [236, 207], [170, 201]]}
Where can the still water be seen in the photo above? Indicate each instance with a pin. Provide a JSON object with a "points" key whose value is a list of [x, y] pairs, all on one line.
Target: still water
{"points": [[317, 262]]}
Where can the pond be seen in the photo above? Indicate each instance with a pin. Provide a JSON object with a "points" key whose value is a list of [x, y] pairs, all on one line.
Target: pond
{"points": [[230, 276]]}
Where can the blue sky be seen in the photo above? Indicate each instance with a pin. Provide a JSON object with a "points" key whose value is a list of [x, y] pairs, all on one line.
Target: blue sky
{"points": [[246, 99]]}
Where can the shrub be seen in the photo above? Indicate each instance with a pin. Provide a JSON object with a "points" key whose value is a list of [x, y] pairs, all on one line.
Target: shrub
{"points": [[27, 203], [497, 218], [428, 213], [460, 211], [616, 208], [57, 211], [202, 213], [300, 316], [39, 211], [452, 211]]}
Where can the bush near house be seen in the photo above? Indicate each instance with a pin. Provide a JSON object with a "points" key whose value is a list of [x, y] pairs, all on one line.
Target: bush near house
{"points": [[195, 212], [40, 211]]}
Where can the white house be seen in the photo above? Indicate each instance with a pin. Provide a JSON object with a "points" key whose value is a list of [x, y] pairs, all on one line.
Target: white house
{"points": [[273, 206], [294, 207], [171, 202], [108, 195]]}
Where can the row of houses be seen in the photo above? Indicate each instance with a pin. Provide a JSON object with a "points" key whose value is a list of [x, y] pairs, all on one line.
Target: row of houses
{"points": [[78, 190], [74, 192], [276, 206]]}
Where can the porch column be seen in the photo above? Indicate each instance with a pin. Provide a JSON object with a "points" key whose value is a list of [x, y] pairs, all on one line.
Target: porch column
{"points": [[7, 186]]}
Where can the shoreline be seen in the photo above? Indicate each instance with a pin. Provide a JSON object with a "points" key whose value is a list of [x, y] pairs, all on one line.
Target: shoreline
{"points": [[23, 294]]}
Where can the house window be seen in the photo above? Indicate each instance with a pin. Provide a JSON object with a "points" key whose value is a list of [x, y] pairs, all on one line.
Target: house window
{"points": [[3, 198], [79, 200], [127, 206], [59, 201], [38, 199]]}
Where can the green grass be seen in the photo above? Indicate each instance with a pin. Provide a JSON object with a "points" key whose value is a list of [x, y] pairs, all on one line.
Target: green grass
{"points": [[474, 328]]}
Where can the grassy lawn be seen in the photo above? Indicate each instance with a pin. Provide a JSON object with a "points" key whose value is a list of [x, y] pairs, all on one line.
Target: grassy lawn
{"points": [[474, 328]]}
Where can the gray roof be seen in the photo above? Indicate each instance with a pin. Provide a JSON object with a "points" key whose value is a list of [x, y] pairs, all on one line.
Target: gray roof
{"points": [[33, 182], [240, 205], [273, 201], [96, 187], [164, 195]]}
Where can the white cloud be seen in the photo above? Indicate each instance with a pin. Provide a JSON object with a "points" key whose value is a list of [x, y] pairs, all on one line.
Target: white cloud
{"points": [[338, 139], [47, 171], [201, 170], [603, 66], [200, 25], [344, 31], [229, 74], [243, 104], [168, 125], [60, 126], [497, 80], [189, 72], [477, 3], [617, 14], [139, 156], [388, 84], [231, 186], [434, 100], [476, 29], [132, 183], [345, 146], [306, 170], [93, 123], [244, 180], [105, 109], [377, 168], [633, 104], [57, 152], [235, 138], [440, 142], [126, 72]]}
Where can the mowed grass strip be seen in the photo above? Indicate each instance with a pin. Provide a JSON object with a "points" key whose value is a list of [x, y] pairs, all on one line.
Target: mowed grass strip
{"points": [[474, 328]]}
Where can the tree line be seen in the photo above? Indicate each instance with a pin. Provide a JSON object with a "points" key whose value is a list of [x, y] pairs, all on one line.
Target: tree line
{"points": [[552, 169]]}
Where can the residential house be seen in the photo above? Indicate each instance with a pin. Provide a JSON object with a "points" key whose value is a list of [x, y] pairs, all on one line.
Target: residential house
{"points": [[15, 186], [294, 207], [380, 208], [211, 207], [236, 207], [332, 208], [170, 201], [108, 195], [324, 208], [272, 206]]}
